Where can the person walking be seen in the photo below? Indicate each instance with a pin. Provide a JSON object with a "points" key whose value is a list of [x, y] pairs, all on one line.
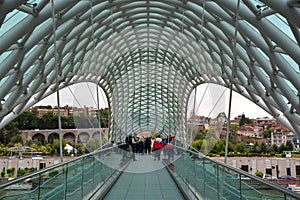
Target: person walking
{"points": [[157, 145], [130, 140], [148, 145]]}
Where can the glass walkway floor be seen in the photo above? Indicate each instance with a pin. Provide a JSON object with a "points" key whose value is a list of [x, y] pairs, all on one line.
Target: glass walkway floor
{"points": [[105, 175], [145, 179]]}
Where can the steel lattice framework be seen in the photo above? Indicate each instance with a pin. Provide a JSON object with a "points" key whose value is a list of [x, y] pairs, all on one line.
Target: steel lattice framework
{"points": [[149, 55]]}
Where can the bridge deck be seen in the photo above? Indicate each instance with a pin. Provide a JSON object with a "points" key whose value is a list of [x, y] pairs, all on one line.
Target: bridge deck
{"points": [[145, 179]]}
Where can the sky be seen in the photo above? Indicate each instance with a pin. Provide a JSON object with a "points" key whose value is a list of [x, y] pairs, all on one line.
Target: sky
{"points": [[210, 100]]}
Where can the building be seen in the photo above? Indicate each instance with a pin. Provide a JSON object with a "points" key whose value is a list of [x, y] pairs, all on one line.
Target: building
{"points": [[278, 138], [41, 110]]}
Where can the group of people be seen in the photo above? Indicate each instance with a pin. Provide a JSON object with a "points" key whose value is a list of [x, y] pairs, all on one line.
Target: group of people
{"points": [[148, 145]]}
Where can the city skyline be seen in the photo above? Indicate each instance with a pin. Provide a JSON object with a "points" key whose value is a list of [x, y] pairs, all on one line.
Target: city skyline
{"points": [[215, 100]]}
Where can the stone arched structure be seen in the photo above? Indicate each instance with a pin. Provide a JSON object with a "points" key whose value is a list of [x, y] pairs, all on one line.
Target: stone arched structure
{"points": [[83, 137], [70, 135], [53, 136], [39, 137], [96, 135]]}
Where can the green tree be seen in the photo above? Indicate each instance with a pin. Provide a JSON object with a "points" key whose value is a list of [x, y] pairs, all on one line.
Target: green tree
{"points": [[282, 148], [67, 122], [248, 120], [93, 144], [275, 148], [263, 147], [56, 148], [289, 146], [234, 127], [208, 145], [28, 120], [16, 139], [241, 147], [104, 117], [8, 132], [49, 121], [267, 133], [200, 135], [242, 120], [197, 144]]}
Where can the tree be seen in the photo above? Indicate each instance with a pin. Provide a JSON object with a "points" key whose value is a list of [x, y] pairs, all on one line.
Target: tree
{"points": [[289, 146], [241, 147], [67, 122], [197, 144], [200, 135], [248, 121], [28, 120], [207, 145], [234, 127], [267, 133], [92, 144], [242, 120], [275, 148], [8, 132], [16, 139], [104, 117], [49, 121], [282, 148], [55, 146], [263, 147], [256, 148]]}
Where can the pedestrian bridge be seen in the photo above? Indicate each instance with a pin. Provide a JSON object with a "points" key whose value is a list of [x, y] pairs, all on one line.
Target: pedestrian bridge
{"points": [[104, 174], [149, 57]]}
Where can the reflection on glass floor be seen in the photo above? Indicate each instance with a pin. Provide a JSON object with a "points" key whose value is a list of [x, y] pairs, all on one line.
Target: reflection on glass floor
{"points": [[145, 179]]}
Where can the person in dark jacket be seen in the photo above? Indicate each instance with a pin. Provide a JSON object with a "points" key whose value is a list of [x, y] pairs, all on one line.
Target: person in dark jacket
{"points": [[148, 145], [130, 140]]}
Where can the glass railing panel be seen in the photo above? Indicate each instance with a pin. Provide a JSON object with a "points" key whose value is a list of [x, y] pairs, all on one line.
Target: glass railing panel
{"points": [[254, 189], [24, 189], [74, 180], [228, 183], [88, 175], [52, 184], [199, 175], [210, 177], [214, 180]]}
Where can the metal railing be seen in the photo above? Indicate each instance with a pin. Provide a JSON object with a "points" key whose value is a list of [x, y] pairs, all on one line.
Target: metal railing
{"points": [[79, 178], [210, 179], [84, 176]]}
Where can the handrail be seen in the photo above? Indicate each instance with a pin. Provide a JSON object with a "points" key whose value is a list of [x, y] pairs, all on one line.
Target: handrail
{"points": [[241, 172], [18, 179], [196, 155]]}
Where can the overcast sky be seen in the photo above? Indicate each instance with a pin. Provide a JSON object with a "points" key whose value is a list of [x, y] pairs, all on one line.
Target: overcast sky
{"points": [[209, 103]]}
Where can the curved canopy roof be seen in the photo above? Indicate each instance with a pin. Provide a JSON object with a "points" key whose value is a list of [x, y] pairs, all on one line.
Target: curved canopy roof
{"points": [[149, 55]]}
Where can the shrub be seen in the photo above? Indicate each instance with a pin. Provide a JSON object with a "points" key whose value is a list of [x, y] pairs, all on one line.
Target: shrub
{"points": [[259, 174]]}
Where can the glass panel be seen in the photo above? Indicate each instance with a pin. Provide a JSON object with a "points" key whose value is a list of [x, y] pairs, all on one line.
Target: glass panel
{"points": [[25, 189], [88, 174], [53, 183], [229, 183], [212, 180], [74, 180]]}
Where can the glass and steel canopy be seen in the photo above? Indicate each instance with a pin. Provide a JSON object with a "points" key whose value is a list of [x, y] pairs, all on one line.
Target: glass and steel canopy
{"points": [[149, 55]]}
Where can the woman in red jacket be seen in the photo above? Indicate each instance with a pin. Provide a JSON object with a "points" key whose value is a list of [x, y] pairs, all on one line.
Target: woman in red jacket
{"points": [[157, 146]]}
